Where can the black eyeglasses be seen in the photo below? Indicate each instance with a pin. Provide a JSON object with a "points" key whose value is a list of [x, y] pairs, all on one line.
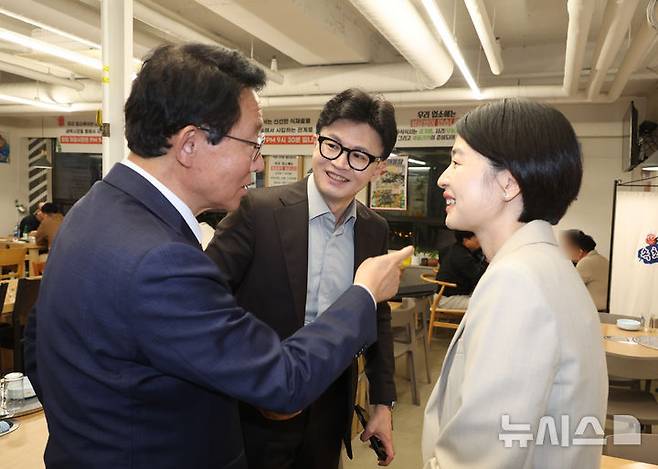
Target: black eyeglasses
{"points": [[357, 159], [257, 144]]}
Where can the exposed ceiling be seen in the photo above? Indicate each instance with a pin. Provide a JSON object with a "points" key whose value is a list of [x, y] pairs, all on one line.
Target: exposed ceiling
{"points": [[324, 46]]}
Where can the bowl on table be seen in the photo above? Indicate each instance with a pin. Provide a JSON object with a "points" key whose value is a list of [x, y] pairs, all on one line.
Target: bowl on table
{"points": [[629, 324]]}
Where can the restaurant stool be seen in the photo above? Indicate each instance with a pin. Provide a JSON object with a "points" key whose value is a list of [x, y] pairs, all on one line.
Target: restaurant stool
{"points": [[12, 337], [403, 325], [646, 451], [446, 318]]}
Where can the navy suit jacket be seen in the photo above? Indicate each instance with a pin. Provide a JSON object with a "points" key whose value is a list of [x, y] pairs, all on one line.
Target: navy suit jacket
{"points": [[139, 351]]}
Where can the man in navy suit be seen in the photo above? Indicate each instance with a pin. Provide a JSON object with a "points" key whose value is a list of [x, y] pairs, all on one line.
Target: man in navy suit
{"points": [[136, 347]]}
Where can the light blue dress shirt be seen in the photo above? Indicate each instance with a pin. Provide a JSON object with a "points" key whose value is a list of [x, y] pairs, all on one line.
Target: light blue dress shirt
{"points": [[330, 253]]}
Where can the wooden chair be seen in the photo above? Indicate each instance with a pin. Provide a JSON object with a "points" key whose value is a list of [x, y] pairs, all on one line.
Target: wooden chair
{"points": [[12, 258], [646, 451], [403, 324], [445, 318], [640, 404]]}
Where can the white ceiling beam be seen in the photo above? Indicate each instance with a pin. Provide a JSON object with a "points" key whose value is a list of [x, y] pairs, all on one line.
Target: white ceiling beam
{"points": [[332, 32]]}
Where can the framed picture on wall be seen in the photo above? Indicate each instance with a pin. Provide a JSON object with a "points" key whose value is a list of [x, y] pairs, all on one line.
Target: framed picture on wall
{"points": [[4, 147], [389, 191], [282, 169]]}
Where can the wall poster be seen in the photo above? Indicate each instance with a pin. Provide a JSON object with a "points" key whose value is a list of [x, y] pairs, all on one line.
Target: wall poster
{"points": [[389, 191]]}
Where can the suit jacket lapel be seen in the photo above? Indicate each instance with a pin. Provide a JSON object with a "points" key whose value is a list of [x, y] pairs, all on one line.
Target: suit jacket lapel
{"points": [[292, 223], [363, 236], [132, 183]]}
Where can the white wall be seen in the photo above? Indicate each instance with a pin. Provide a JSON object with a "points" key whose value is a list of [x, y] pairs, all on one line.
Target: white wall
{"points": [[592, 212], [13, 181]]}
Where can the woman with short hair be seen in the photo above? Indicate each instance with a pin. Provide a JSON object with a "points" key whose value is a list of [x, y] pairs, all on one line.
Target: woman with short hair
{"points": [[522, 362]]}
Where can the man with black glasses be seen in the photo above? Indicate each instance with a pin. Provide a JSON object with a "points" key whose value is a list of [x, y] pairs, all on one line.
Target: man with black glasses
{"points": [[290, 251]]}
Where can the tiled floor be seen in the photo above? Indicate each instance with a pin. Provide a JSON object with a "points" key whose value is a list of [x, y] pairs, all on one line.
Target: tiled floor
{"points": [[407, 418]]}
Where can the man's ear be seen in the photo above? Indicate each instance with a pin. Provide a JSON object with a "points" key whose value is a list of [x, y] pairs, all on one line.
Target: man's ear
{"points": [[184, 143]]}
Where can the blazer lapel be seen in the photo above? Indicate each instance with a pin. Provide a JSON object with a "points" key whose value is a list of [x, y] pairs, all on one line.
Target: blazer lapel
{"points": [[132, 183], [363, 236], [292, 223]]}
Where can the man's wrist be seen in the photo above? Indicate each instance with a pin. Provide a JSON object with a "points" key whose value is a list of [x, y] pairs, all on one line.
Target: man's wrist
{"points": [[374, 301]]}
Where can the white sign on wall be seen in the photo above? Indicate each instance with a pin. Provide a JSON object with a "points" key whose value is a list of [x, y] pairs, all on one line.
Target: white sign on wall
{"points": [[78, 136], [428, 128]]}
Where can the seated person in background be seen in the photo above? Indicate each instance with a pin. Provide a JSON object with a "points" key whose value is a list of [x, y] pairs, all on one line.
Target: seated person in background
{"points": [[463, 264], [50, 219], [592, 266], [30, 222]]}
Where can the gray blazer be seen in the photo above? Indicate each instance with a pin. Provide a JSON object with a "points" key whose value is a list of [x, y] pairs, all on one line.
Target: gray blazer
{"points": [[529, 346]]}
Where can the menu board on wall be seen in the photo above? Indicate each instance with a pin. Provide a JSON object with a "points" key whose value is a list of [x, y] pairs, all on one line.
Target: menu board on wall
{"points": [[428, 128], [290, 134], [389, 191], [282, 169]]}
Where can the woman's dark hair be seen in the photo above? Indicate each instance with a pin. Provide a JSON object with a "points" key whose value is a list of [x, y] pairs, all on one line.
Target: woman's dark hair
{"points": [[186, 84], [537, 145], [460, 236], [358, 106], [580, 240], [49, 207]]}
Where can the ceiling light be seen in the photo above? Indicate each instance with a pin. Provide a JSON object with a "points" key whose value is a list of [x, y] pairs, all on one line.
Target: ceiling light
{"points": [[36, 103], [422, 163], [650, 168], [449, 41], [49, 49], [46, 27]]}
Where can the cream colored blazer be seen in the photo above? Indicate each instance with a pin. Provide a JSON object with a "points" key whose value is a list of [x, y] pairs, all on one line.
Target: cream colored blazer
{"points": [[528, 347]]}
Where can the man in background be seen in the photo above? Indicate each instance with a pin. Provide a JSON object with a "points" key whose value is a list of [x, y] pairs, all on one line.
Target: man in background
{"points": [[30, 222], [463, 264], [290, 251], [136, 346], [50, 219], [592, 266]]}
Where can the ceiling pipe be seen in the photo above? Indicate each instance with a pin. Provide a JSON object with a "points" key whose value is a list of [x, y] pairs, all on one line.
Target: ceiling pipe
{"points": [[177, 28], [333, 78], [15, 109], [642, 43], [618, 15], [401, 24], [484, 29], [580, 20], [39, 76], [554, 93]]}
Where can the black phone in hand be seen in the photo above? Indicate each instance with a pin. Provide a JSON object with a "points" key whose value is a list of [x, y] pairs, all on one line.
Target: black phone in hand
{"points": [[375, 443]]}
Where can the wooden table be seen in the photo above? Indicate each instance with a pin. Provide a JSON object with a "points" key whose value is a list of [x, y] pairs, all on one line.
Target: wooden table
{"points": [[32, 252], [23, 448], [608, 462], [627, 350]]}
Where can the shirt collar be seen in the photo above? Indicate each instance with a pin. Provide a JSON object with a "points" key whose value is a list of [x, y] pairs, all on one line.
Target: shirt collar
{"points": [[178, 204], [317, 206]]}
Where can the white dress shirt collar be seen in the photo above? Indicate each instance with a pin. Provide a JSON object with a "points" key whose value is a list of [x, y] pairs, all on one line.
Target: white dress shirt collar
{"points": [[178, 204]]}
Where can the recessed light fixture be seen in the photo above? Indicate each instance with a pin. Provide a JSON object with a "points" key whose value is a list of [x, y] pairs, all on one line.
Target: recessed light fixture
{"points": [[451, 44]]}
